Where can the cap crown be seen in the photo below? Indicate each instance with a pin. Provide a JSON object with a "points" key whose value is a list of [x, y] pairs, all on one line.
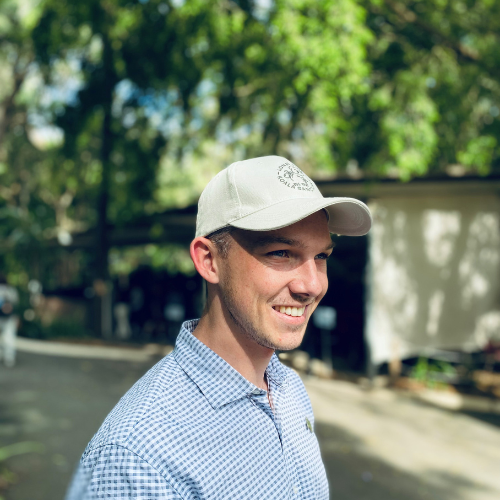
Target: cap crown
{"points": [[245, 187]]}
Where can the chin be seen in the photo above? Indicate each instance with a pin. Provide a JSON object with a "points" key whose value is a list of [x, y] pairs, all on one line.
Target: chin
{"points": [[288, 340], [288, 346]]}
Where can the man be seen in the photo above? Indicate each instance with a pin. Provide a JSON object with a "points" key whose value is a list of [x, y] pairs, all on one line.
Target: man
{"points": [[221, 417]]}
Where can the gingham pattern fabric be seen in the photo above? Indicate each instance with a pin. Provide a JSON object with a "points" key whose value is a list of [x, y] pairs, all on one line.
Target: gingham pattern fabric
{"points": [[194, 428]]}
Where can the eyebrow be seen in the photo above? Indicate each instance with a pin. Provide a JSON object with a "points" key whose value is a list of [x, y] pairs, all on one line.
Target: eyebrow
{"points": [[271, 240]]}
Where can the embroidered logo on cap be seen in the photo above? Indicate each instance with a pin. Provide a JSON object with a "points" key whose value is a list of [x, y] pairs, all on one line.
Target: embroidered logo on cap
{"points": [[292, 177]]}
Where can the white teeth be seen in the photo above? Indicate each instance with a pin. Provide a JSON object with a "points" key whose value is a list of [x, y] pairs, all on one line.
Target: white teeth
{"points": [[290, 311]]}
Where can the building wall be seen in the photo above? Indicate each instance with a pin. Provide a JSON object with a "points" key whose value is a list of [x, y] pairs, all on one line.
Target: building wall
{"points": [[433, 274]]}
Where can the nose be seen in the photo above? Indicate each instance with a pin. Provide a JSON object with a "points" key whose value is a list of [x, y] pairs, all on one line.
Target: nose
{"points": [[308, 281]]}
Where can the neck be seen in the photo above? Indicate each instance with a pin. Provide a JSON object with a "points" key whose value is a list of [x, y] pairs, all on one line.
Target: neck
{"points": [[220, 333]]}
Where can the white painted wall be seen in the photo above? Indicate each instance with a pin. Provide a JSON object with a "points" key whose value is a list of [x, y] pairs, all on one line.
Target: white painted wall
{"points": [[433, 277]]}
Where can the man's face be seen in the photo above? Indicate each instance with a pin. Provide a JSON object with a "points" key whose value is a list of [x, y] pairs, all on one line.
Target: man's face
{"points": [[272, 281]]}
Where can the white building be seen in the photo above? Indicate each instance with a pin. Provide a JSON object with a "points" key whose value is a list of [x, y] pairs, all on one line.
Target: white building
{"points": [[432, 276]]}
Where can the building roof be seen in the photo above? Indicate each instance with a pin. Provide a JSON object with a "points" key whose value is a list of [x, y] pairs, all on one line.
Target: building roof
{"points": [[178, 225]]}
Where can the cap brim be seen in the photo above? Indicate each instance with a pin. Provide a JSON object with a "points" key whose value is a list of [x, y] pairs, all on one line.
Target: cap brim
{"points": [[347, 216]]}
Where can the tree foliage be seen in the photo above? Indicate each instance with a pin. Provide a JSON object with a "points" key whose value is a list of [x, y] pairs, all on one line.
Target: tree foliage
{"points": [[112, 109], [22, 214], [158, 79], [435, 87]]}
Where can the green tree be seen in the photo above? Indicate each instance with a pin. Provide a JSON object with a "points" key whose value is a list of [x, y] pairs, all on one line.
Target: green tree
{"points": [[22, 215], [434, 88], [162, 78], [150, 98]]}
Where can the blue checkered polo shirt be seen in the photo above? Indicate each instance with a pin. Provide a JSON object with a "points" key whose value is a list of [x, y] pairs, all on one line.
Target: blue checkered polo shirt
{"points": [[194, 428]]}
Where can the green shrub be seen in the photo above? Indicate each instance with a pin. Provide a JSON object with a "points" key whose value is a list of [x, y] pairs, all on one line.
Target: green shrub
{"points": [[433, 373]]}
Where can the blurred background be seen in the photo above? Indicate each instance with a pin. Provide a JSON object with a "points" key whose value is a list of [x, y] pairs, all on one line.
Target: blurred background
{"points": [[114, 115]]}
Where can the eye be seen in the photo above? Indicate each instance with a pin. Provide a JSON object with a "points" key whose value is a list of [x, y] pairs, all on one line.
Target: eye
{"points": [[279, 253], [322, 256]]}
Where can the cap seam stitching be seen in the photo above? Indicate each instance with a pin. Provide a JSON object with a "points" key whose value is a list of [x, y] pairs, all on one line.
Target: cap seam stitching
{"points": [[237, 193]]}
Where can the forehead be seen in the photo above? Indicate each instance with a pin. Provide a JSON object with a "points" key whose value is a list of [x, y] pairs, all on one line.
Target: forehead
{"points": [[307, 233]]}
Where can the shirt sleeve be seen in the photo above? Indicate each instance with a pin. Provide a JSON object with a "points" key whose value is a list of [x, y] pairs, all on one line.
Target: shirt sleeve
{"points": [[114, 472]]}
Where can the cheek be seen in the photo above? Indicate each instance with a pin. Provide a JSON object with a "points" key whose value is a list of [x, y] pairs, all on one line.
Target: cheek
{"points": [[246, 280], [253, 283], [259, 287], [324, 285]]}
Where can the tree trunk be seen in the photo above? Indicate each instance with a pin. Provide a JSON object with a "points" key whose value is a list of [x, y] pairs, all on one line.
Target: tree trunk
{"points": [[102, 284]]}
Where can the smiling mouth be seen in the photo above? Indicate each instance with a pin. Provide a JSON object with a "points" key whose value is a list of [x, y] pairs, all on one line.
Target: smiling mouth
{"points": [[290, 311]]}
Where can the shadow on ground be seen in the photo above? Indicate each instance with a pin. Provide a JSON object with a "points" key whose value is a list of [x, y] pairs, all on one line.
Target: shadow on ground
{"points": [[353, 475], [489, 418]]}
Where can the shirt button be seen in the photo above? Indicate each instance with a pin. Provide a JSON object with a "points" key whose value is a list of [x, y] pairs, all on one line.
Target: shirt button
{"points": [[295, 490], [256, 391]]}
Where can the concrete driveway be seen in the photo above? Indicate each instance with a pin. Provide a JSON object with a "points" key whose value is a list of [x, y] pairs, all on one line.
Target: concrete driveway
{"points": [[376, 446], [382, 445]]}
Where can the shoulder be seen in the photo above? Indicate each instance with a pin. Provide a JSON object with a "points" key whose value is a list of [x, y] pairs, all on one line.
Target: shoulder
{"points": [[115, 472], [145, 401]]}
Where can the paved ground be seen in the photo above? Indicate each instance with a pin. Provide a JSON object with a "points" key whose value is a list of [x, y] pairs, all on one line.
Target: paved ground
{"points": [[383, 446], [376, 446]]}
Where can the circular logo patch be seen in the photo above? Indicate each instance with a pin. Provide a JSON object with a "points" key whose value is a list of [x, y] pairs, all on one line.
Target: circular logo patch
{"points": [[292, 177]]}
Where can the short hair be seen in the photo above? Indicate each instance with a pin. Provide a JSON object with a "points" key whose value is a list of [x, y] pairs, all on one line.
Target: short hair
{"points": [[222, 240]]}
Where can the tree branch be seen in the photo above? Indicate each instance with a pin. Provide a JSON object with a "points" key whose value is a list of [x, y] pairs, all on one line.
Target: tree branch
{"points": [[408, 16], [9, 103]]}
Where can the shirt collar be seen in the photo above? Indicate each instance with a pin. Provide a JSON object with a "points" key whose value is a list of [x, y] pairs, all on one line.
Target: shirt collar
{"points": [[219, 382]]}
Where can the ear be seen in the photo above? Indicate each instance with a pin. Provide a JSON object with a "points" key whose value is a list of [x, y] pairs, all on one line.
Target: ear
{"points": [[203, 255]]}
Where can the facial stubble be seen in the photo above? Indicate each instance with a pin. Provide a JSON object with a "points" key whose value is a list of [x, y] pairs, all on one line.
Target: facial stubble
{"points": [[246, 325]]}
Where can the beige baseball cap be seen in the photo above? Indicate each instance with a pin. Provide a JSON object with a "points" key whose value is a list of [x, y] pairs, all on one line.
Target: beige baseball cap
{"points": [[271, 192]]}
